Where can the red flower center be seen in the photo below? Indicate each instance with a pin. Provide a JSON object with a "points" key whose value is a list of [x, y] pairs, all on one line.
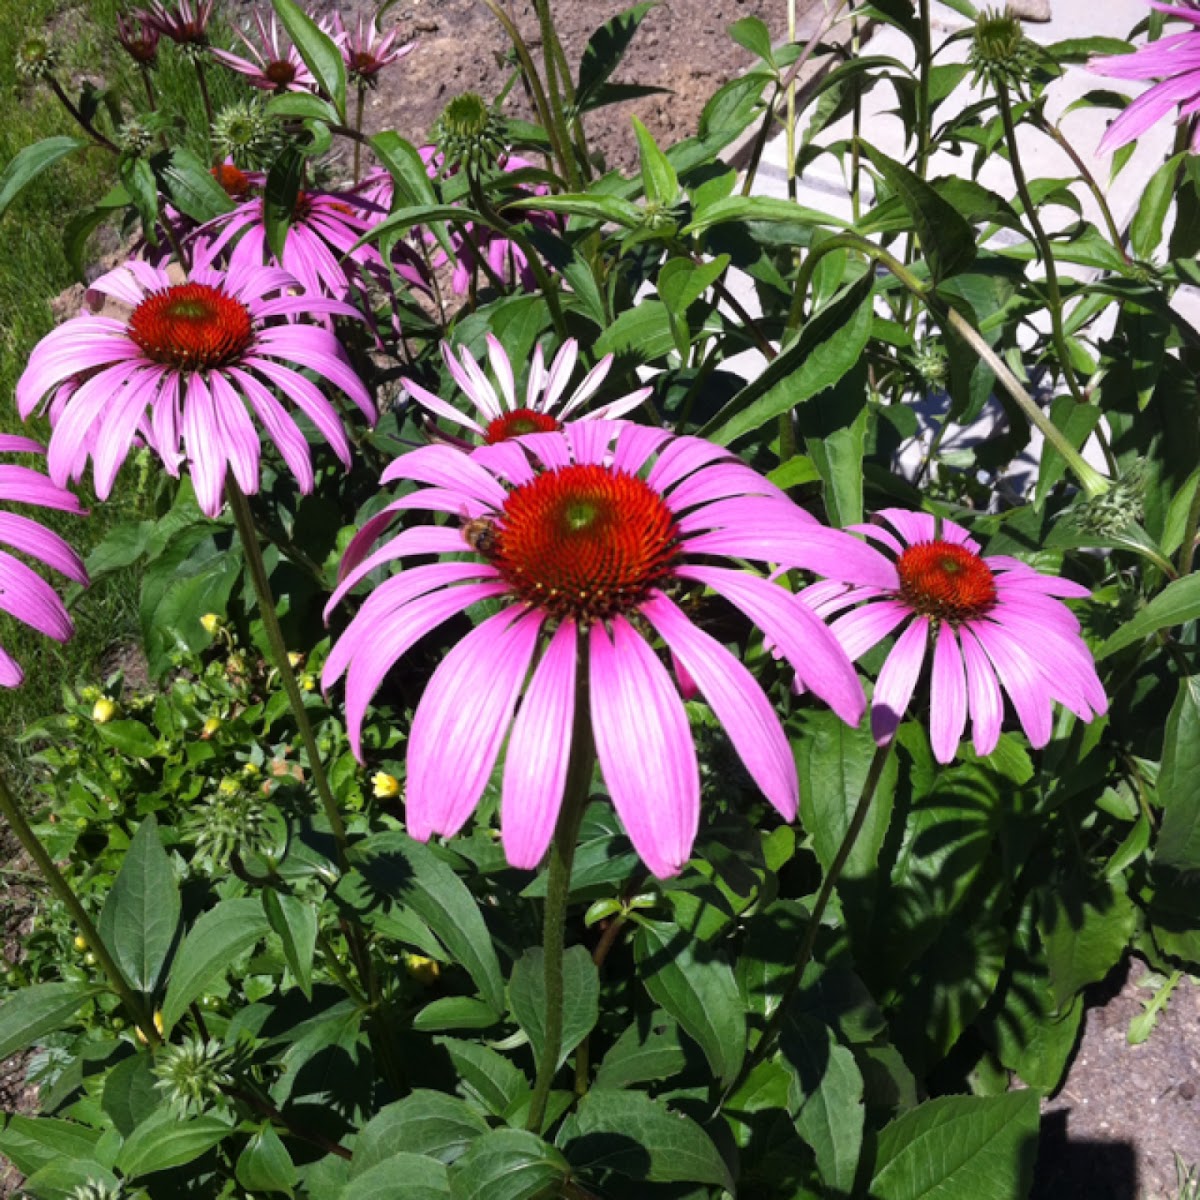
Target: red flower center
{"points": [[280, 72], [236, 183], [946, 581], [192, 325], [363, 62], [583, 542], [522, 420]]}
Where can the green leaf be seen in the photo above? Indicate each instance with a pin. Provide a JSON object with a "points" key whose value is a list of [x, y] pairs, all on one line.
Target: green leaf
{"points": [[410, 175], [604, 51], [29, 162], [489, 1077], [131, 738], [423, 1179], [826, 1094], [137, 176], [265, 1165], [699, 992], [1085, 928], [758, 208], [302, 106], [404, 872], [592, 207], [38, 1009], [192, 188], [946, 238], [281, 191], [141, 913], [828, 346], [1179, 782], [1145, 231], [682, 282], [581, 998], [429, 1123], [32, 1142], [508, 1164], [59, 1180], [958, 1146], [1178, 602], [645, 1052], [837, 452], [455, 1012], [751, 33], [295, 921], [131, 1094], [636, 1136], [319, 51], [643, 331], [165, 1141], [211, 945], [659, 180]]}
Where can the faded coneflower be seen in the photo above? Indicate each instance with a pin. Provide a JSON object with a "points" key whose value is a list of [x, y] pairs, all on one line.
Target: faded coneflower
{"points": [[594, 538], [24, 594], [184, 23], [1173, 61], [275, 64], [504, 416], [367, 50], [994, 624], [184, 370]]}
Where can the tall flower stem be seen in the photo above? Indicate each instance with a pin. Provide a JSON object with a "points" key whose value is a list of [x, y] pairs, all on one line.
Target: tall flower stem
{"points": [[358, 140], [132, 1002], [204, 96], [832, 875], [1045, 251], [248, 534], [79, 118], [554, 94], [558, 887]]}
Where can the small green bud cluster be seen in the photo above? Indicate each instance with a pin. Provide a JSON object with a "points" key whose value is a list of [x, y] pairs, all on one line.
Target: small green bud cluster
{"points": [[469, 134], [1001, 54], [192, 1075], [37, 60], [244, 132]]}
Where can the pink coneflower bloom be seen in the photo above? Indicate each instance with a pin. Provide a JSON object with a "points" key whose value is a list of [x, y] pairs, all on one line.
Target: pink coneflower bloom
{"points": [[1173, 61], [275, 65], [993, 623], [138, 37], [185, 24], [184, 371], [503, 415], [596, 554], [366, 50], [24, 594], [321, 248]]}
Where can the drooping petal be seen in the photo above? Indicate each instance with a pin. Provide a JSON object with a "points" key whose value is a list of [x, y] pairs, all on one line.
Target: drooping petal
{"points": [[947, 696], [30, 537], [984, 700], [24, 594], [644, 746], [897, 680], [539, 752], [861, 628], [438, 406], [1027, 691], [737, 700], [462, 720]]}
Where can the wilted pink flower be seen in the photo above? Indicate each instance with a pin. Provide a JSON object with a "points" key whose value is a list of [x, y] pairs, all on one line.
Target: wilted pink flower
{"points": [[366, 50], [138, 36], [994, 624], [184, 23], [543, 409], [1175, 62], [184, 371], [596, 553], [320, 250], [24, 594], [275, 64]]}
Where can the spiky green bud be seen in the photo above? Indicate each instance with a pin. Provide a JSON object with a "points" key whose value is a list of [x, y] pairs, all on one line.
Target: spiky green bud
{"points": [[469, 134], [37, 59]]}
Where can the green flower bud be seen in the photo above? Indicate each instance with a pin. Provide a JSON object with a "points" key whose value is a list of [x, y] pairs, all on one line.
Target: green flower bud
{"points": [[37, 60], [469, 134]]}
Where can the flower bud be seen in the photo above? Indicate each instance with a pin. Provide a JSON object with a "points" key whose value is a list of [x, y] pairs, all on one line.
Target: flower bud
{"points": [[104, 710], [385, 786]]}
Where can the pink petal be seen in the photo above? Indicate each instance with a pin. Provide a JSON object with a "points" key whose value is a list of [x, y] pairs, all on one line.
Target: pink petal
{"points": [[867, 626], [445, 466], [281, 429], [560, 373], [947, 696], [591, 385], [736, 698], [724, 480], [983, 694], [1028, 691], [25, 595], [644, 746], [207, 455], [681, 457], [11, 674], [502, 369], [897, 680], [539, 753], [437, 405], [237, 432], [635, 444], [590, 440], [30, 537]]}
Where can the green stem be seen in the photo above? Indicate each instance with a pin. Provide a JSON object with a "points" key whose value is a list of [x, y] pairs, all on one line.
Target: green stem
{"points": [[924, 108], [77, 116], [1092, 482], [132, 1002], [558, 888], [205, 98], [1043, 244], [358, 140], [857, 820], [1187, 548], [248, 534], [554, 96]]}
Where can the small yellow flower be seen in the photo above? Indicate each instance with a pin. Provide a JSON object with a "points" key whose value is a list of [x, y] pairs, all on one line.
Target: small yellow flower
{"points": [[426, 971], [80, 943], [158, 1024], [386, 786], [104, 710], [210, 623], [295, 658], [308, 682], [228, 786], [210, 727]]}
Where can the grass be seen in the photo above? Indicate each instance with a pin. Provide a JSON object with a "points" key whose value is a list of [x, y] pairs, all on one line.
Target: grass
{"points": [[33, 271]]}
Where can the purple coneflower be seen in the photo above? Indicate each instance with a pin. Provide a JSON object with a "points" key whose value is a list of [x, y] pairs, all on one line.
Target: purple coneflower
{"points": [[24, 594], [1175, 62], [366, 50], [994, 624], [138, 36], [275, 65], [321, 248], [186, 25], [184, 371], [543, 409], [596, 554]]}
